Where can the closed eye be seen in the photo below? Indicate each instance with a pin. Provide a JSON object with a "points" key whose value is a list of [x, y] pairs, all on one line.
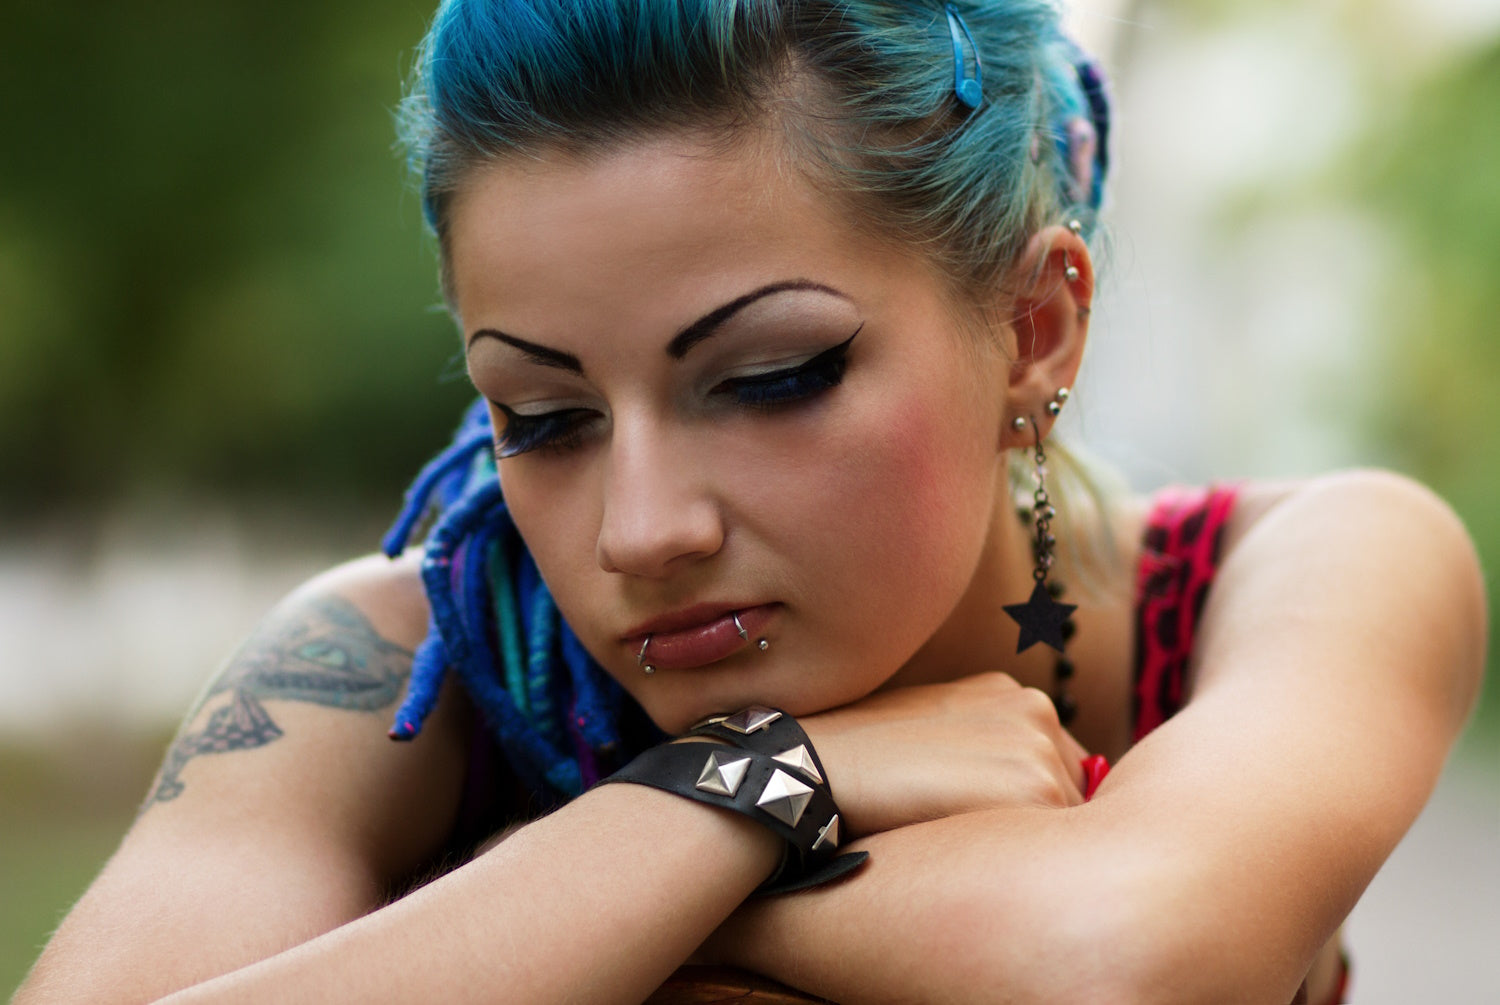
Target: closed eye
{"points": [[557, 430], [790, 384]]}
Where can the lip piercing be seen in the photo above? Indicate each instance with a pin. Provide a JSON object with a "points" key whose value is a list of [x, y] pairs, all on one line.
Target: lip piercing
{"points": [[640, 658], [762, 644]]}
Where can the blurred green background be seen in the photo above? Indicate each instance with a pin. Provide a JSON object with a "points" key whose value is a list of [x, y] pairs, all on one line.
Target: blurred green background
{"points": [[212, 279], [215, 292]]}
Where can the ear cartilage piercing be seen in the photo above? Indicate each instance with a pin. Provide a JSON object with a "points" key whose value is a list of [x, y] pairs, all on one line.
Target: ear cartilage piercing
{"points": [[739, 627], [1076, 227], [1071, 273]]}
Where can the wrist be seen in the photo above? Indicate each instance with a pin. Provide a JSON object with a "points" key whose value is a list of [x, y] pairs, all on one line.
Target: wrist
{"points": [[760, 764]]}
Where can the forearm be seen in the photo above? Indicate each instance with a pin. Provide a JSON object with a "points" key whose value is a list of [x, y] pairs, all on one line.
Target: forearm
{"points": [[598, 902], [1192, 878], [1009, 906], [956, 909]]}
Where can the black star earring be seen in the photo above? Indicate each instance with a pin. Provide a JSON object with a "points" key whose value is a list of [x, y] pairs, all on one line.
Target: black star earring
{"points": [[1042, 618]]}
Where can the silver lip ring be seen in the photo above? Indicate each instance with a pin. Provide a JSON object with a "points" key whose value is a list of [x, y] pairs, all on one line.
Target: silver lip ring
{"points": [[739, 627], [640, 657]]}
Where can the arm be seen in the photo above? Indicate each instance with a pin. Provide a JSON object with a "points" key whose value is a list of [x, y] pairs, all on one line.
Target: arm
{"points": [[283, 816], [1340, 655], [598, 902], [281, 809]]}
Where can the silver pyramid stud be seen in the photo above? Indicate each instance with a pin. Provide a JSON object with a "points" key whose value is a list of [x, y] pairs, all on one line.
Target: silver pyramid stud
{"points": [[784, 798], [751, 719], [721, 775], [799, 758], [828, 834]]}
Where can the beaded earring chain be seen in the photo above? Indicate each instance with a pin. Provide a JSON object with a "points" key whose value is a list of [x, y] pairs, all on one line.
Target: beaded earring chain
{"points": [[1042, 618]]}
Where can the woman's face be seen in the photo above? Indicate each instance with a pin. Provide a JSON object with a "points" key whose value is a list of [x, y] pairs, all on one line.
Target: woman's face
{"points": [[715, 399]]}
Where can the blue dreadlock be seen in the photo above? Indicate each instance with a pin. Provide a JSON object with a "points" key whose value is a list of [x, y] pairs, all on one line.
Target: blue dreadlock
{"points": [[552, 709]]}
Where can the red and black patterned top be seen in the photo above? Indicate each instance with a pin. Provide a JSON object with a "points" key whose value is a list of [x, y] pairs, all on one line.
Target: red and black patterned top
{"points": [[1183, 539]]}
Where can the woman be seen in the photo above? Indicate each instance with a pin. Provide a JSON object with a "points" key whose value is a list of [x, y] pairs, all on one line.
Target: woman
{"points": [[769, 304]]}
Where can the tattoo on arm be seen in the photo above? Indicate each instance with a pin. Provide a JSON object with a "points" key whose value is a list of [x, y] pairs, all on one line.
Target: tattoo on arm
{"points": [[324, 652]]}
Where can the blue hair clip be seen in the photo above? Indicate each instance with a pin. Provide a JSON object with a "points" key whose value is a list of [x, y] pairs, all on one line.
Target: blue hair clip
{"points": [[968, 90]]}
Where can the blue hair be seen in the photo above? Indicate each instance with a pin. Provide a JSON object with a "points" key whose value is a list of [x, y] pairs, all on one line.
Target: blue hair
{"points": [[873, 105], [553, 710], [864, 90]]}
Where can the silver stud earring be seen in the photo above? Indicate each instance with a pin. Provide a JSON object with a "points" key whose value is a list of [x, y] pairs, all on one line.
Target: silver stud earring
{"points": [[1076, 227], [1059, 398], [1018, 424]]}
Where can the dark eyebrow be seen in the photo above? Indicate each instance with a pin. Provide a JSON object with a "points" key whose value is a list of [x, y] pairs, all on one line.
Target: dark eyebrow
{"points": [[710, 322], [538, 354]]}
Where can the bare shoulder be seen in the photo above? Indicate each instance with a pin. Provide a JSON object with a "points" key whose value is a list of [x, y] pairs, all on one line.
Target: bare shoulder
{"points": [[292, 730], [282, 809], [343, 641], [1360, 493], [1369, 559]]}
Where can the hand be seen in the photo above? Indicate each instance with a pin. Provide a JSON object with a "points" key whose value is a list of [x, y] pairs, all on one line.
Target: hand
{"points": [[920, 753]]}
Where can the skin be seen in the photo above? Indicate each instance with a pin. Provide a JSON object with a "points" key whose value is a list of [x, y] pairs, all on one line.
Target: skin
{"points": [[1215, 864], [677, 496]]}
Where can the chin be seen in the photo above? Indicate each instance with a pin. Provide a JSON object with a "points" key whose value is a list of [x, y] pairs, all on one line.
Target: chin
{"points": [[676, 708]]}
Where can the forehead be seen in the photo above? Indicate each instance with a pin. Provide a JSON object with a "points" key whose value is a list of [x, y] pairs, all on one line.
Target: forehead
{"points": [[646, 233]]}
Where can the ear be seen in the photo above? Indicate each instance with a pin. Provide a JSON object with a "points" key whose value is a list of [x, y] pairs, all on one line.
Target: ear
{"points": [[1050, 323]]}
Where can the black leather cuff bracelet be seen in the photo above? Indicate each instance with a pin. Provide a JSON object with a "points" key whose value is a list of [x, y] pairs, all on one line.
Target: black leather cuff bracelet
{"points": [[780, 787]]}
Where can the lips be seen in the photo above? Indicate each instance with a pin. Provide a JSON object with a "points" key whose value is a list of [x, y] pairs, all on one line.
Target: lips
{"points": [[699, 636]]}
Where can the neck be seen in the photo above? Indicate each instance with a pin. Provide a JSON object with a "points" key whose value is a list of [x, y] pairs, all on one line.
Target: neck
{"points": [[977, 636]]}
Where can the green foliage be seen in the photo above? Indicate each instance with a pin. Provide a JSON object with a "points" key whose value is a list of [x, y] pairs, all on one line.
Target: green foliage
{"points": [[212, 272], [1430, 168]]}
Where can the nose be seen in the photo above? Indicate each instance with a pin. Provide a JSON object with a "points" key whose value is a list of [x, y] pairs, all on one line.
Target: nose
{"points": [[658, 513]]}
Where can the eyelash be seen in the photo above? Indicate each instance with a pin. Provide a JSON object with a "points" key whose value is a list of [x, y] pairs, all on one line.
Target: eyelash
{"points": [[765, 392]]}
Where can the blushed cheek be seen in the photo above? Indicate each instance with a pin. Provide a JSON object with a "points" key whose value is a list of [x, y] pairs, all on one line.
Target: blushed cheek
{"points": [[900, 511], [932, 482]]}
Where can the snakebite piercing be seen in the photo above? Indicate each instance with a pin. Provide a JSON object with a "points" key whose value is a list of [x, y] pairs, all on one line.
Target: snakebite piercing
{"points": [[762, 643]]}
